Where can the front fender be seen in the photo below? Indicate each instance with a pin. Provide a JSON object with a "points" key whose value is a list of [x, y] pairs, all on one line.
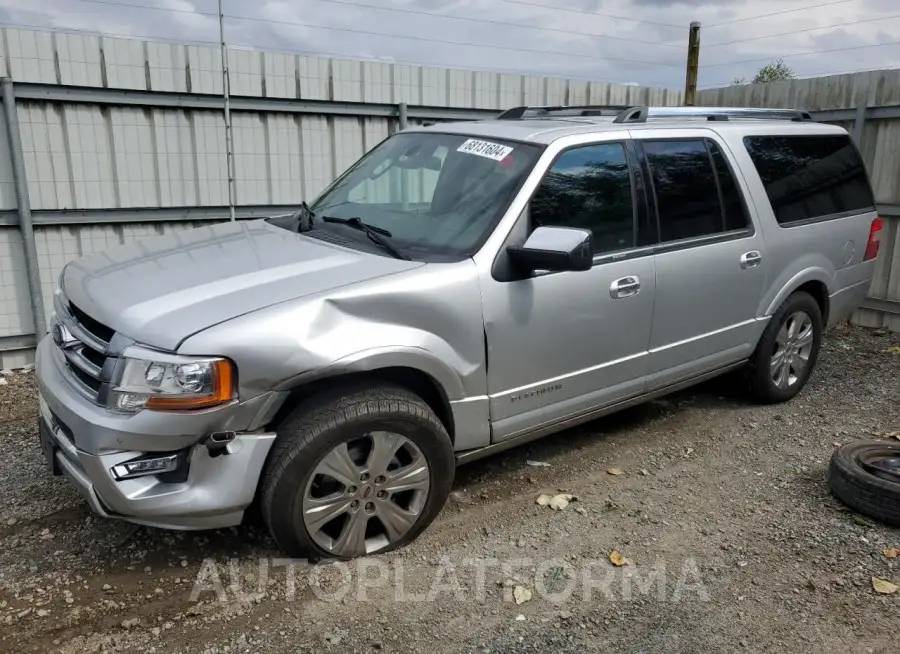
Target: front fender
{"points": [[428, 319], [471, 415], [376, 358]]}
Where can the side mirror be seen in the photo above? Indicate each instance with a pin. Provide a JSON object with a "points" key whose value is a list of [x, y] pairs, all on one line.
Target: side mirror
{"points": [[556, 249]]}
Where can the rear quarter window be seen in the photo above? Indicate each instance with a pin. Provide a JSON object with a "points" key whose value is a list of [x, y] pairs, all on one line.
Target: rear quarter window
{"points": [[811, 177]]}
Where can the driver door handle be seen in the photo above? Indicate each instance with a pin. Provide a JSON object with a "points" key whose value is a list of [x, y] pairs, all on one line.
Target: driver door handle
{"points": [[625, 287]]}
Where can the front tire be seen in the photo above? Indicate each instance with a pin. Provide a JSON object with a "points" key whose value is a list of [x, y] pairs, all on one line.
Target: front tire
{"points": [[787, 351], [356, 471]]}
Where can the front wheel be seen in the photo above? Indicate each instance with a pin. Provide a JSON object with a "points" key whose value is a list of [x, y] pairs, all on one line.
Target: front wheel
{"points": [[356, 472], [788, 350]]}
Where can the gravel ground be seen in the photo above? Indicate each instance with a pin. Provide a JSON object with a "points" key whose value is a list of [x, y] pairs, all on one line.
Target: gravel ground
{"points": [[733, 542]]}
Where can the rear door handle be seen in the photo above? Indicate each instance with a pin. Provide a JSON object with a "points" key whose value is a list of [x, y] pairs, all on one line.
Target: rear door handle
{"points": [[625, 287], [751, 259]]}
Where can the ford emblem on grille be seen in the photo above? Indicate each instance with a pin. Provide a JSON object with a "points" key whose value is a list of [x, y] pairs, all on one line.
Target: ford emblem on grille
{"points": [[63, 337]]}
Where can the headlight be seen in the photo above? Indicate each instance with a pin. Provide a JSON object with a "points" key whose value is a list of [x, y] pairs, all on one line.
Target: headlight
{"points": [[171, 383]]}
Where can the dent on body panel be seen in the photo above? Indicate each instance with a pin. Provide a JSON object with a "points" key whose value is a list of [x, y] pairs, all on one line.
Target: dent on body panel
{"points": [[430, 319], [430, 316]]}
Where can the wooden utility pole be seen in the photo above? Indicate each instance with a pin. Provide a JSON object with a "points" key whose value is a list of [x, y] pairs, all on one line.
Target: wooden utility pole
{"points": [[693, 65]]}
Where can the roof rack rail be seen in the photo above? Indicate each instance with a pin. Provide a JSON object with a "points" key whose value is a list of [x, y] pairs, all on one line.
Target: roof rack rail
{"points": [[518, 113], [641, 114]]}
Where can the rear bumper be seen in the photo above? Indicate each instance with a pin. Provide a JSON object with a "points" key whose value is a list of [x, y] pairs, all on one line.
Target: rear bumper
{"points": [[843, 303], [84, 442]]}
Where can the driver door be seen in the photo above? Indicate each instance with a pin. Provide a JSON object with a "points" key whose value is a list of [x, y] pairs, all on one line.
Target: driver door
{"points": [[561, 345]]}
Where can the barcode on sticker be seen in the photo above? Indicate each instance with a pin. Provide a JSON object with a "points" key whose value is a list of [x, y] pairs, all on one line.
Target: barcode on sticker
{"points": [[487, 149]]}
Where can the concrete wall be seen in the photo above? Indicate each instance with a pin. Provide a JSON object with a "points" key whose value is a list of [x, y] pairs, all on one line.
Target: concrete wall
{"points": [[113, 164], [878, 136]]}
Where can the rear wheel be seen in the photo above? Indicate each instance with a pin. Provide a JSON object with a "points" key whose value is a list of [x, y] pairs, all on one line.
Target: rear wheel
{"points": [[356, 472], [788, 350]]}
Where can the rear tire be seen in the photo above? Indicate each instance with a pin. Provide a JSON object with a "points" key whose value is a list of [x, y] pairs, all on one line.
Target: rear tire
{"points": [[356, 471], [787, 351]]}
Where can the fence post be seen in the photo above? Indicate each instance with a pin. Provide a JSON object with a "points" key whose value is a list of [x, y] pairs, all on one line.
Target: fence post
{"points": [[26, 226], [859, 124]]}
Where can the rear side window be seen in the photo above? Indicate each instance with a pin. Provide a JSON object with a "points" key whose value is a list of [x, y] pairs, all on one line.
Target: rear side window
{"points": [[811, 177], [696, 193]]}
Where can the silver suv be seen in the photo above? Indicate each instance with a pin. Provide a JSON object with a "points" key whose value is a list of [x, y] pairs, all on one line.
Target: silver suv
{"points": [[461, 289]]}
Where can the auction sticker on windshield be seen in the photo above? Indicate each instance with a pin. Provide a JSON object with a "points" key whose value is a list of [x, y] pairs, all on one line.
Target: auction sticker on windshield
{"points": [[487, 149]]}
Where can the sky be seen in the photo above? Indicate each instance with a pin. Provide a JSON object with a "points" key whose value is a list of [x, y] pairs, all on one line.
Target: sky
{"points": [[625, 41]]}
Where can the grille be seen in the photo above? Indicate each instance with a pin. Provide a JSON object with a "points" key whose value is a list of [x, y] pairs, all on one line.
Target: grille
{"points": [[85, 351], [99, 330]]}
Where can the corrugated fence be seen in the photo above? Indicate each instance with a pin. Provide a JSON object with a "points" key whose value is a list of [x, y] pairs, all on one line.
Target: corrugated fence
{"points": [[123, 138], [868, 106]]}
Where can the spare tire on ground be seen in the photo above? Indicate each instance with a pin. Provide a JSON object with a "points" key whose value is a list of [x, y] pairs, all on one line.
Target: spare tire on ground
{"points": [[866, 476]]}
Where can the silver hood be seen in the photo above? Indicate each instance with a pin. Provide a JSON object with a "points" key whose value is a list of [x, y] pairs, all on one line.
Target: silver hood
{"points": [[161, 290]]}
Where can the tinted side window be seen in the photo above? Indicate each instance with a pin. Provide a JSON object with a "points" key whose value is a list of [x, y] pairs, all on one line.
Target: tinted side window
{"points": [[590, 188], [810, 177], [733, 207], [687, 196]]}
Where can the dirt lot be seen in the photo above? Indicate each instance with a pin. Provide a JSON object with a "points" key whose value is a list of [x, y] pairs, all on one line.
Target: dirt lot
{"points": [[734, 543]]}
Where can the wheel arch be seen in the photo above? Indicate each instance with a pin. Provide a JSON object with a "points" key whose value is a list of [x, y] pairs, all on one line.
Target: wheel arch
{"points": [[819, 292], [429, 378], [814, 281]]}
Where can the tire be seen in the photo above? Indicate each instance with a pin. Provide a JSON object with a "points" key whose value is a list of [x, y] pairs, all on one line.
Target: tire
{"points": [[875, 496], [353, 416], [762, 383]]}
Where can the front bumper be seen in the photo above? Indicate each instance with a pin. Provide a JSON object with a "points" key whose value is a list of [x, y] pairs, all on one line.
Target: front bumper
{"points": [[84, 442]]}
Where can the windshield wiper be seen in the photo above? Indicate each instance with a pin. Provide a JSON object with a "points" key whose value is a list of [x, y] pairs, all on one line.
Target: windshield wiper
{"points": [[305, 217], [377, 235]]}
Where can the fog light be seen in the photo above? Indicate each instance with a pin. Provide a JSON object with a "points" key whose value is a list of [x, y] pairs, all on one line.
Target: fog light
{"points": [[147, 466]]}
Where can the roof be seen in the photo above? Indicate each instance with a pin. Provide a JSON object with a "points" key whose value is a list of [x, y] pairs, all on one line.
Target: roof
{"points": [[548, 129], [538, 130]]}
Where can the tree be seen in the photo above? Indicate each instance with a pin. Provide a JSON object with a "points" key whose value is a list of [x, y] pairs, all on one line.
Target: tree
{"points": [[777, 71]]}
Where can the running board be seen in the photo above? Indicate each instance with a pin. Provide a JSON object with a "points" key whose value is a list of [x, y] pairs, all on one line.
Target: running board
{"points": [[545, 430]]}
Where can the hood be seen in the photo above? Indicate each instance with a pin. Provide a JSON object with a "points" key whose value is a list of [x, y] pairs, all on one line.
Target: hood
{"points": [[161, 290]]}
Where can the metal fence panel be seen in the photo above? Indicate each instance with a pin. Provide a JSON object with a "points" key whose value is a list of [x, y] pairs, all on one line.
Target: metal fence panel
{"points": [[123, 138], [7, 187], [122, 142], [15, 315]]}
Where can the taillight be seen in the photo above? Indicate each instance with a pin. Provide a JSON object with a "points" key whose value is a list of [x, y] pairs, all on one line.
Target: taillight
{"points": [[874, 241]]}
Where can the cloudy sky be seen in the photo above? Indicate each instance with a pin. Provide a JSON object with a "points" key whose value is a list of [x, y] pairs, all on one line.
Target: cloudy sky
{"points": [[627, 41]]}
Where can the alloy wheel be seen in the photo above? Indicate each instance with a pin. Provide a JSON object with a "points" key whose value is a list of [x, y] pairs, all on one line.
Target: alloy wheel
{"points": [[793, 346], [366, 494]]}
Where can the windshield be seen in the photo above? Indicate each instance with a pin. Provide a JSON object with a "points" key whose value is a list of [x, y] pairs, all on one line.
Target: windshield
{"points": [[438, 195]]}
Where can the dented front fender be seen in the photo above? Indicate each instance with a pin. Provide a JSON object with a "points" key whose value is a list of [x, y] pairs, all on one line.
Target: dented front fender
{"points": [[428, 319]]}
